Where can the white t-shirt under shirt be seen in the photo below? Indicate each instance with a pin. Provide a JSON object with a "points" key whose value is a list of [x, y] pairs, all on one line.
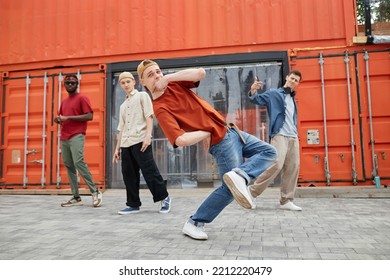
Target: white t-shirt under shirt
{"points": [[289, 129]]}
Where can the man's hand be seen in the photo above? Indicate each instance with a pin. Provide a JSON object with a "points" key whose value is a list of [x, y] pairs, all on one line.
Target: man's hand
{"points": [[255, 86], [117, 156], [59, 119], [160, 85], [146, 143]]}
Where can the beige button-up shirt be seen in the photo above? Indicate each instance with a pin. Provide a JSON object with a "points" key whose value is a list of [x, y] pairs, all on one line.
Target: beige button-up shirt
{"points": [[132, 117]]}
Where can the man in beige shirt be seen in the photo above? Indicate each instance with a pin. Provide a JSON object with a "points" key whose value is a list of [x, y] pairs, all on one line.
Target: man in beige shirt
{"points": [[134, 148]]}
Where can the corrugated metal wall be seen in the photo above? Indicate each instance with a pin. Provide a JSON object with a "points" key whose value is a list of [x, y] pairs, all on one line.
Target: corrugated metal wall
{"points": [[30, 147], [46, 30], [39, 36], [344, 121], [225, 88]]}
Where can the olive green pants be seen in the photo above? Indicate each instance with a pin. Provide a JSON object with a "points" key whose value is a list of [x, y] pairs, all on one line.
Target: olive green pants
{"points": [[73, 157]]}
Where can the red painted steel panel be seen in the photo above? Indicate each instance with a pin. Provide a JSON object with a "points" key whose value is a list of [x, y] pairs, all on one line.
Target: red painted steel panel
{"points": [[378, 83], [27, 148], [338, 123], [45, 30], [45, 34], [342, 161]]}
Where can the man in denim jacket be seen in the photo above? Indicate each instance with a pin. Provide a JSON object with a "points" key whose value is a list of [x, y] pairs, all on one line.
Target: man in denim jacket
{"points": [[282, 111]]}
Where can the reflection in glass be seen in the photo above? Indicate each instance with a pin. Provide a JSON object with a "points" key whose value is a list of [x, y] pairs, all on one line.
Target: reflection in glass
{"points": [[226, 89]]}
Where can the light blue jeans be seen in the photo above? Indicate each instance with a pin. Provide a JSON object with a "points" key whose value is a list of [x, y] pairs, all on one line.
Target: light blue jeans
{"points": [[230, 154]]}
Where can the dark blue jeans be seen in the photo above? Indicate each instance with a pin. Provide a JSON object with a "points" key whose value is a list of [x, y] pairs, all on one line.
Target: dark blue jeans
{"points": [[133, 160]]}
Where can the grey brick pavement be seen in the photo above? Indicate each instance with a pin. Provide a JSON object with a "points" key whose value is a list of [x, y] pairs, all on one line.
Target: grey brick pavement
{"points": [[36, 227]]}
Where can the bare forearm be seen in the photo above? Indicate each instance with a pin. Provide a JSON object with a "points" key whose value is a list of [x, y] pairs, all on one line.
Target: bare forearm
{"points": [[149, 127], [118, 143], [80, 118], [191, 138], [193, 74], [148, 136], [116, 156]]}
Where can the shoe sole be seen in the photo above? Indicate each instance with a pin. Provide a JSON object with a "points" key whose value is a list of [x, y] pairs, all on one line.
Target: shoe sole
{"points": [[128, 213], [70, 205], [238, 196], [98, 205], [289, 209], [194, 237]]}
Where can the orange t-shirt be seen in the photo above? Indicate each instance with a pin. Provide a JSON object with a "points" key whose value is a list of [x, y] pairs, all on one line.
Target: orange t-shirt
{"points": [[180, 110]]}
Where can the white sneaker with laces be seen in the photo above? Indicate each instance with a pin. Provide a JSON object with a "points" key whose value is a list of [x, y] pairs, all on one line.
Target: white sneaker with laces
{"points": [[239, 190], [195, 232], [290, 206], [97, 198]]}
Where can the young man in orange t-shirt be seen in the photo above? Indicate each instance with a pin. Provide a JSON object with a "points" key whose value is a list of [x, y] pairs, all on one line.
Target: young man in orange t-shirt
{"points": [[186, 119]]}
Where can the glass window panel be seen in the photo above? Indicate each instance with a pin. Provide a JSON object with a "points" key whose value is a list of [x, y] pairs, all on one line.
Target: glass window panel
{"points": [[226, 88]]}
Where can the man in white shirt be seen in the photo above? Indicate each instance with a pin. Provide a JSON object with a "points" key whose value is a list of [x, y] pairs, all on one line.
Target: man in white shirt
{"points": [[134, 148]]}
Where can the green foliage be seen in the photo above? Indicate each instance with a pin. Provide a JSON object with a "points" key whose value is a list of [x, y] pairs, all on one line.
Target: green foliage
{"points": [[383, 11], [360, 11], [380, 10]]}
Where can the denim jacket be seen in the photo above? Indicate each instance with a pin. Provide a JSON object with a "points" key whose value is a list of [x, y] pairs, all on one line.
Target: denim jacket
{"points": [[273, 99]]}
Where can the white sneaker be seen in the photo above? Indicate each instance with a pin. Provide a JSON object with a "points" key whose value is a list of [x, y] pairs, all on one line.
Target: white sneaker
{"points": [[239, 190], [290, 206], [97, 198], [194, 231]]}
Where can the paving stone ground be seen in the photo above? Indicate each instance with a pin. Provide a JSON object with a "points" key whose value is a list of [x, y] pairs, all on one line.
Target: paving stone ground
{"points": [[330, 227]]}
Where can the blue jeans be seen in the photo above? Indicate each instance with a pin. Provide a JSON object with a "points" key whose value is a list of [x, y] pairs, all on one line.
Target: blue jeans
{"points": [[230, 154]]}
